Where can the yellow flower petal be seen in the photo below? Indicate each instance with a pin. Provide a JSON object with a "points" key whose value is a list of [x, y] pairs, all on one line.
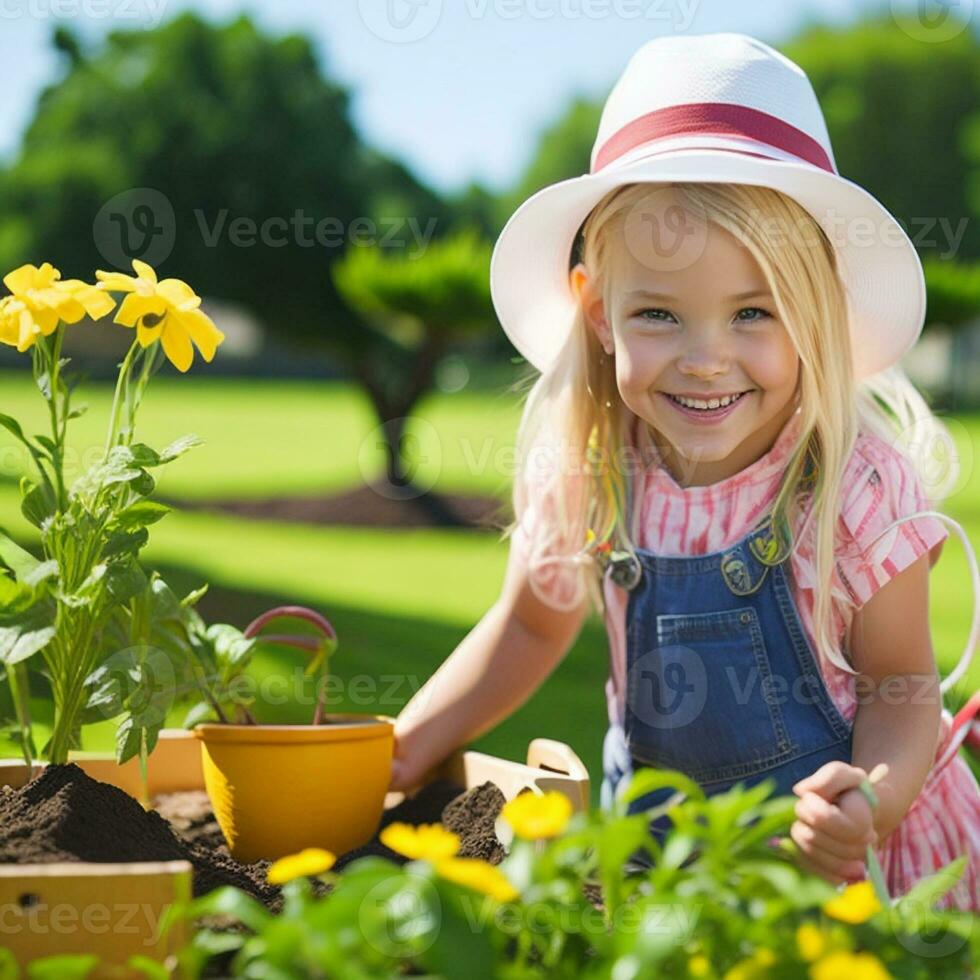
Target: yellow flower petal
{"points": [[426, 842], [144, 271], [149, 335], [202, 330], [116, 282], [536, 816], [699, 966], [309, 861], [27, 277], [843, 965], [810, 941], [178, 294], [857, 903], [95, 302], [176, 343], [134, 307], [477, 874]]}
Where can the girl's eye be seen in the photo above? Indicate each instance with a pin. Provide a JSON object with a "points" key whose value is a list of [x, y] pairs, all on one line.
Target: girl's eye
{"points": [[753, 309], [765, 314], [641, 313]]}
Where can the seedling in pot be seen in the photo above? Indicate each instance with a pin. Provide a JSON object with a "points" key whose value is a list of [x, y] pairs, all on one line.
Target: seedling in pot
{"points": [[222, 656]]}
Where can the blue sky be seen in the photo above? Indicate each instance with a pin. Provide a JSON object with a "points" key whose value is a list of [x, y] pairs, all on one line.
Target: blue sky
{"points": [[462, 101]]}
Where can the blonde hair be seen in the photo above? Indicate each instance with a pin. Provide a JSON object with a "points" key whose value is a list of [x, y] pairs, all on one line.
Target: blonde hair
{"points": [[573, 412]]}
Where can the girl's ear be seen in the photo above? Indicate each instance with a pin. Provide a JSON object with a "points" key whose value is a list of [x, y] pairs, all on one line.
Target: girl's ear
{"points": [[592, 306]]}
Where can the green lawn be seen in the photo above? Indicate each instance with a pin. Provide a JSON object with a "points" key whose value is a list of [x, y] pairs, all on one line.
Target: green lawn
{"points": [[386, 589], [264, 438]]}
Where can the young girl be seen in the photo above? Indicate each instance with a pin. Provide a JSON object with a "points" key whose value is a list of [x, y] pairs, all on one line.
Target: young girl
{"points": [[722, 455]]}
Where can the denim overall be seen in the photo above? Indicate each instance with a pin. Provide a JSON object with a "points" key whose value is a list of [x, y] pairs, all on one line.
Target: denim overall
{"points": [[721, 681]]}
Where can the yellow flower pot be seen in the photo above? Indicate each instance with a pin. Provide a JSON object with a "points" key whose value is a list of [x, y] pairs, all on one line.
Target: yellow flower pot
{"points": [[276, 789]]}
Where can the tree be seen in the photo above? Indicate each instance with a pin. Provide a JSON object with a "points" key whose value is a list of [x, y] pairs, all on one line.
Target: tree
{"points": [[263, 179], [415, 308]]}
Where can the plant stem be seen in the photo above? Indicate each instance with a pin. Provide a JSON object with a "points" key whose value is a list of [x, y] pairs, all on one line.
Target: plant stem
{"points": [[57, 433], [121, 381]]}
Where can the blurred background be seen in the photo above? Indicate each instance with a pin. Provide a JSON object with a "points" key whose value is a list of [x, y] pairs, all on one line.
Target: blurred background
{"points": [[331, 179]]}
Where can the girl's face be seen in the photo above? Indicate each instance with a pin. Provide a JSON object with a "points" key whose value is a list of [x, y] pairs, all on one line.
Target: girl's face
{"points": [[697, 321]]}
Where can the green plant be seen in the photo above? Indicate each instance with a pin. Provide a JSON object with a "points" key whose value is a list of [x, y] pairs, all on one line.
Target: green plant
{"points": [[220, 656], [724, 898], [85, 613]]}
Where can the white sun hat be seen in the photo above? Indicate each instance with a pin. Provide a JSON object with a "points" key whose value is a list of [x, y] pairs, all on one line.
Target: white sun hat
{"points": [[722, 107]]}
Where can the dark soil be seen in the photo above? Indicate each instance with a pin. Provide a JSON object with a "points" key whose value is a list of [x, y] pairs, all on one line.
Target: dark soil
{"points": [[365, 506], [65, 815]]}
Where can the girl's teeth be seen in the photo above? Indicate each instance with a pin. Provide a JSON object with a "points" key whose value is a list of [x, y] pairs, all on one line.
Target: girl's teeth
{"points": [[705, 405]]}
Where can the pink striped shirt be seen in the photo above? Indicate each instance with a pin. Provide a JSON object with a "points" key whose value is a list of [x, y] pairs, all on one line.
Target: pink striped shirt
{"points": [[880, 485]]}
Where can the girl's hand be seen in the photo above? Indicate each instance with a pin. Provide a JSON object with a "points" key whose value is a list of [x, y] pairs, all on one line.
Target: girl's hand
{"points": [[835, 823], [405, 773]]}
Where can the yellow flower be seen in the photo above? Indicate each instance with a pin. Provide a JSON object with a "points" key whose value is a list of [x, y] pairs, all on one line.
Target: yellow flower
{"points": [[166, 311], [535, 816], [857, 903], [698, 966], [475, 873], [756, 965], [426, 842], [842, 965], [309, 861], [811, 941], [39, 300]]}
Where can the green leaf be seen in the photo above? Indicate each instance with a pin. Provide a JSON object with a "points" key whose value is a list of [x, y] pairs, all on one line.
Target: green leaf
{"points": [[45, 570], [67, 966], [78, 411], [141, 513], [228, 900], [19, 561], [123, 580], [38, 504], [930, 889], [128, 738], [13, 427], [19, 644], [144, 455], [125, 543], [180, 446]]}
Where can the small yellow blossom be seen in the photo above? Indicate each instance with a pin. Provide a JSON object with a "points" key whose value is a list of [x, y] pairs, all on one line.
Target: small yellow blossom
{"points": [[535, 816], [309, 861], [477, 874], [756, 966], [857, 903], [811, 941], [39, 300], [426, 842], [843, 965], [166, 311], [699, 966]]}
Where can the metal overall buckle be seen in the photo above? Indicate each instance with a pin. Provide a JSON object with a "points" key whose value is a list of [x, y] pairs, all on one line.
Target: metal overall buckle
{"points": [[738, 572]]}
